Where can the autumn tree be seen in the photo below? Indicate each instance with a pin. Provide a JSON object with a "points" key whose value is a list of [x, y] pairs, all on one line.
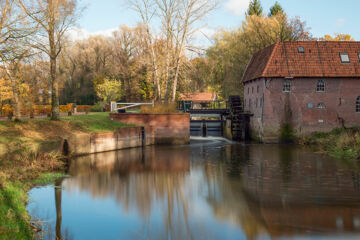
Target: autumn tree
{"points": [[337, 37], [54, 18], [147, 10], [14, 47], [255, 8], [232, 51], [109, 90]]}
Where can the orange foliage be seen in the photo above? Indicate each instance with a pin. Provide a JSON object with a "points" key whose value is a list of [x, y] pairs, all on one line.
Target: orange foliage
{"points": [[39, 110]]}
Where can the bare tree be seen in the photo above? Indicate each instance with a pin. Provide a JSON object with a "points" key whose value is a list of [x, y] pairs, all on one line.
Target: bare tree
{"points": [[190, 13], [146, 10], [54, 18], [168, 10], [13, 45]]}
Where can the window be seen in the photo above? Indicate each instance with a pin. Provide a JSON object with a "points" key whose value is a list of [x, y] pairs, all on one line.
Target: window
{"points": [[244, 102], [249, 103], [321, 106], [256, 102], [257, 89], [287, 86], [320, 86], [344, 57], [359, 56], [252, 89], [248, 90], [301, 49], [358, 104]]}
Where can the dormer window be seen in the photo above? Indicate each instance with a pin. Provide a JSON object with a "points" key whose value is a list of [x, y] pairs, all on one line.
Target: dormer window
{"points": [[301, 49], [344, 57]]}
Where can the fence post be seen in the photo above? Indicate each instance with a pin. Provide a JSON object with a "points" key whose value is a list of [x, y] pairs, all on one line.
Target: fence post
{"points": [[113, 106]]}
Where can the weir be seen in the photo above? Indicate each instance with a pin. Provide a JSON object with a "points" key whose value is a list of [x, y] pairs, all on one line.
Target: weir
{"points": [[216, 119]]}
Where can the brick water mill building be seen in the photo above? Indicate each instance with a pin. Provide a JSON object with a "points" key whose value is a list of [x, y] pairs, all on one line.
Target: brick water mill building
{"points": [[312, 86]]}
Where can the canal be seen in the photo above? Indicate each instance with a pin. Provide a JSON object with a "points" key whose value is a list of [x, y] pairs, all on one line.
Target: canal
{"points": [[206, 190]]}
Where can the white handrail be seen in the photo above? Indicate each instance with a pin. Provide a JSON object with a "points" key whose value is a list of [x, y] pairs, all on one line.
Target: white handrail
{"points": [[114, 105]]}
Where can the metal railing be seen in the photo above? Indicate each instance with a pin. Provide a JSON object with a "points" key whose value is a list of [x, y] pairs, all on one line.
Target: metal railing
{"points": [[115, 105]]}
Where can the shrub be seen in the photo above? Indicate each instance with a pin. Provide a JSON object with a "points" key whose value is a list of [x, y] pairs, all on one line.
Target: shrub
{"points": [[159, 108], [98, 107]]}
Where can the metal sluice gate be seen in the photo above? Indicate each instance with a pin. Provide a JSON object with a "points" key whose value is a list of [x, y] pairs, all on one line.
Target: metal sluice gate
{"points": [[205, 128]]}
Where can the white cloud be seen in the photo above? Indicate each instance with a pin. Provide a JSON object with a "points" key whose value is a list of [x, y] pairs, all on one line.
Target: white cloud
{"points": [[340, 22], [238, 7], [76, 33]]}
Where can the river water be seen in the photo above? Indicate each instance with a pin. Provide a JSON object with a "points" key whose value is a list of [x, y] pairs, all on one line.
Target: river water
{"points": [[206, 190]]}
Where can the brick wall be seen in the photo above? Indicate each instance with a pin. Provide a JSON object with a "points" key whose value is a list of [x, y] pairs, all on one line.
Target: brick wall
{"points": [[253, 102], [339, 99], [168, 128]]}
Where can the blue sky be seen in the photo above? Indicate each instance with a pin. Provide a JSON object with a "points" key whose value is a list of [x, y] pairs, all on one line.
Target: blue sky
{"points": [[322, 16]]}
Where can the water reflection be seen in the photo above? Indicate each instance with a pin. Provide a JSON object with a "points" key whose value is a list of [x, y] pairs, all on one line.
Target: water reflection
{"points": [[202, 191]]}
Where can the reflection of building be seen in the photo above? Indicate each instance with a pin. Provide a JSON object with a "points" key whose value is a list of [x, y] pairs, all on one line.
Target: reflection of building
{"points": [[294, 194]]}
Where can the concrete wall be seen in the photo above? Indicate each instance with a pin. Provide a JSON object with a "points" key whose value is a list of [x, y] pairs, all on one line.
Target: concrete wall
{"points": [[80, 144], [167, 128], [339, 98]]}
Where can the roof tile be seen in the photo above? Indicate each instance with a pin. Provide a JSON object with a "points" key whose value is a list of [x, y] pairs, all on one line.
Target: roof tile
{"points": [[321, 59]]}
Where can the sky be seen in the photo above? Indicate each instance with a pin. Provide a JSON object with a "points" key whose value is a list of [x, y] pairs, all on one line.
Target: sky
{"points": [[321, 16]]}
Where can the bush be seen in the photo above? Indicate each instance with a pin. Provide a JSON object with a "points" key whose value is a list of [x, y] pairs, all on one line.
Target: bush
{"points": [[159, 108], [98, 107]]}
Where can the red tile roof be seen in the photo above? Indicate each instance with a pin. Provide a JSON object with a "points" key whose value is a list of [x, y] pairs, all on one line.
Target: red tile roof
{"points": [[198, 97], [320, 59]]}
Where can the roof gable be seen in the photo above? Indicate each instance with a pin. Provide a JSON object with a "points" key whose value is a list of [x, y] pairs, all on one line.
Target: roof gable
{"points": [[198, 97], [320, 59]]}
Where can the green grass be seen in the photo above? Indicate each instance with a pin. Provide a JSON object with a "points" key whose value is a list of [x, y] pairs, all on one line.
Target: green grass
{"points": [[96, 122], [14, 219], [48, 178], [339, 143]]}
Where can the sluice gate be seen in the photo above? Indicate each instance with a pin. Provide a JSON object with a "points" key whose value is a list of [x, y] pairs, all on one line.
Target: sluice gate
{"points": [[229, 121], [205, 128]]}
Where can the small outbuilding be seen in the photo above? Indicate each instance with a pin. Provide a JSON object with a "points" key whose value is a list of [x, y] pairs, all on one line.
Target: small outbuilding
{"points": [[307, 86], [198, 100]]}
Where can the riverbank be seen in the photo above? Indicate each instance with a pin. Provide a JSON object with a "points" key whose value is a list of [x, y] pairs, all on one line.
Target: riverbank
{"points": [[29, 157], [339, 143]]}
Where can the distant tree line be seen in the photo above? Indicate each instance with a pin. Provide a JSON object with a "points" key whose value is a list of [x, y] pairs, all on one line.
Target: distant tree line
{"points": [[40, 64]]}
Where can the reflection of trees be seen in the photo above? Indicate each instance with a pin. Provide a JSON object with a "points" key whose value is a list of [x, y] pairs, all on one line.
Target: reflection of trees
{"points": [[140, 182], [58, 193], [223, 173]]}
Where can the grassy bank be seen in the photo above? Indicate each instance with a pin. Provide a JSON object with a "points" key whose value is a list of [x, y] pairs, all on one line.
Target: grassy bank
{"points": [[339, 143], [29, 157], [41, 135]]}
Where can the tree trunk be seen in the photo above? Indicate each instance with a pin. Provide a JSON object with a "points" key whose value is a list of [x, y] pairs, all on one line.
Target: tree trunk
{"points": [[55, 109], [14, 88]]}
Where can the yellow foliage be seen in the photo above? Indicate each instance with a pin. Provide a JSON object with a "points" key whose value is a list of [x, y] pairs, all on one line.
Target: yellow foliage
{"points": [[337, 37], [159, 108], [5, 90]]}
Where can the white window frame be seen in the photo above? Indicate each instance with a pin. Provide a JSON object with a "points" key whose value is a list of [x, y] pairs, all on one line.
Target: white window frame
{"points": [[344, 54], [287, 84], [318, 85]]}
